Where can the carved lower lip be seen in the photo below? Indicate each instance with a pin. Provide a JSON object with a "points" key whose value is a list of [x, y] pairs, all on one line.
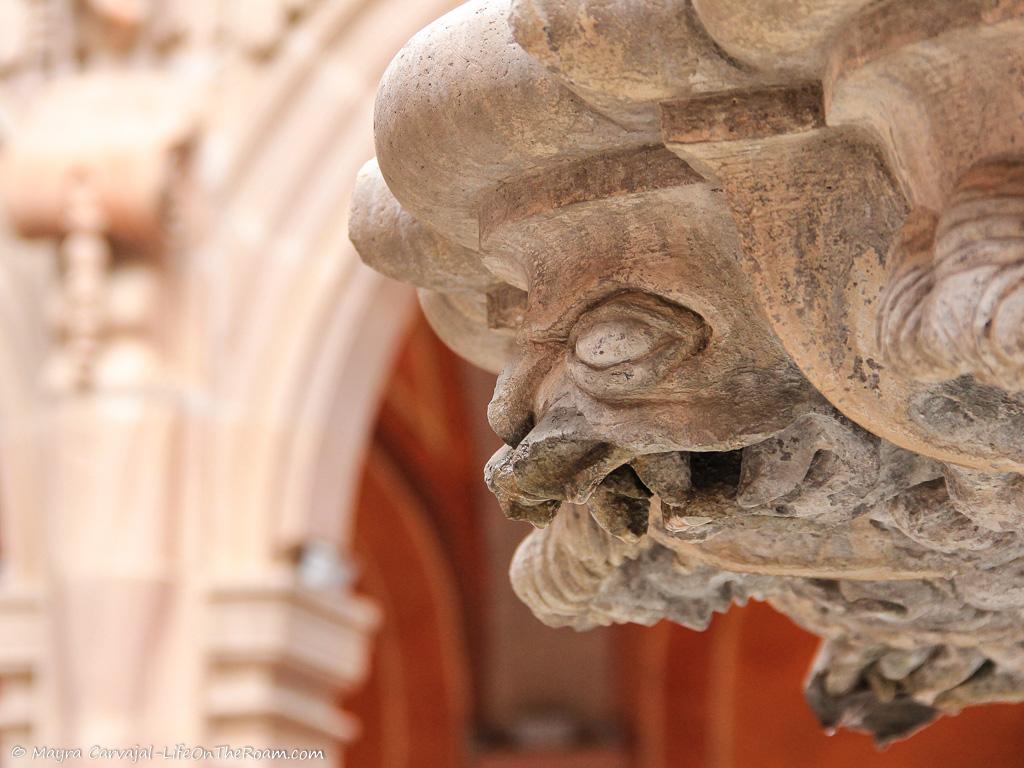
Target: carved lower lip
{"points": [[715, 481]]}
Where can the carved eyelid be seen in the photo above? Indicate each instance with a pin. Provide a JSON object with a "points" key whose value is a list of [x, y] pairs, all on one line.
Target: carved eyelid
{"points": [[663, 322], [562, 329], [643, 307]]}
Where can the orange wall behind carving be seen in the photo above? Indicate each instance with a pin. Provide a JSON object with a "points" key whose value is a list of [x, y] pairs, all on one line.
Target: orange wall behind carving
{"points": [[731, 697]]}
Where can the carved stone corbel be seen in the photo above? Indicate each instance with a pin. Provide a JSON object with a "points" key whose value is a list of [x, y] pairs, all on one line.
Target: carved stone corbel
{"points": [[767, 331]]}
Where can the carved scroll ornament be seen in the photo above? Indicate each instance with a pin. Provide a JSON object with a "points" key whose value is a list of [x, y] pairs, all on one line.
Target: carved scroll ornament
{"points": [[754, 280]]}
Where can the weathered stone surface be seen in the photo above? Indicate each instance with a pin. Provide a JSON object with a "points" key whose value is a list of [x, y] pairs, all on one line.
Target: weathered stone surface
{"points": [[763, 270]]}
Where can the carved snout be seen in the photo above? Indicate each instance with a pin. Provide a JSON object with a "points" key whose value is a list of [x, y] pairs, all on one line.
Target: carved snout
{"points": [[560, 459], [956, 305]]}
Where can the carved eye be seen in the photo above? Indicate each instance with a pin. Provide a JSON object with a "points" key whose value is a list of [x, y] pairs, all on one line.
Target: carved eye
{"points": [[631, 328], [609, 343]]}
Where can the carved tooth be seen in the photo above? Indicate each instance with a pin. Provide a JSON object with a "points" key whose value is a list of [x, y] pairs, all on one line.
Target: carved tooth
{"points": [[895, 665], [771, 470], [841, 678], [820, 464], [885, 690], [538, 515], [666, 474], [621, 505]]}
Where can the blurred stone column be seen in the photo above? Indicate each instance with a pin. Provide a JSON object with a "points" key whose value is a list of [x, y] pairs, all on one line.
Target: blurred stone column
{"points": [[167, 584]]}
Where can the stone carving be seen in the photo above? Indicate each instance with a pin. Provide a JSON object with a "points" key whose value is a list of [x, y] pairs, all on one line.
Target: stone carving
{"points": [[752, 276], [955, 307]]}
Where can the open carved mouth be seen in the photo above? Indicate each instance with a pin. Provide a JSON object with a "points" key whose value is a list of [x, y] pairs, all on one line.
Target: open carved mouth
{"points": [[696, 489], [820, 465]]}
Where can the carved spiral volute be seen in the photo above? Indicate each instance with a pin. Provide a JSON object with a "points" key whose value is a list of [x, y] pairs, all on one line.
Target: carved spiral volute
{"points": [[957, 302]]}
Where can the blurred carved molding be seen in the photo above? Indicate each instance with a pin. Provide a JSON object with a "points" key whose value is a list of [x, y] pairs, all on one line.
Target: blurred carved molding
{"points": [[192, 357]]}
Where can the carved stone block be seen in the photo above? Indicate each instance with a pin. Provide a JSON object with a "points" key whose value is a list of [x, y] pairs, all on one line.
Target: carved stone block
{"points": [[753, 277]]}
